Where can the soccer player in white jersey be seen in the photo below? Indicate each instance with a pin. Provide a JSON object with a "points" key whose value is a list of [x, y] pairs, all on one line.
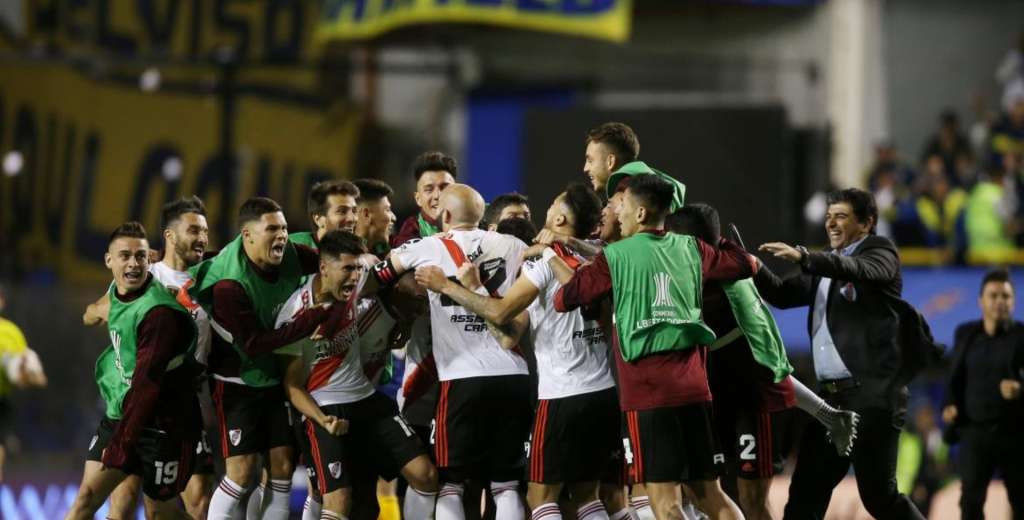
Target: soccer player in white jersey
{"points": [[186, 235], [324, 380], [576, 428], [483, 414]]}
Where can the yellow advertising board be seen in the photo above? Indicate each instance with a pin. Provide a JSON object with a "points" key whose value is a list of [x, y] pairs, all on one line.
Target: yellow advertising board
{"points": [[97, 153], [360, 19]]}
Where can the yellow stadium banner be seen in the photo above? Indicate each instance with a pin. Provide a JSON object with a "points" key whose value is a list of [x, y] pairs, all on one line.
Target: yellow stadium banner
{"points": [[97, 152], [359, 19]]}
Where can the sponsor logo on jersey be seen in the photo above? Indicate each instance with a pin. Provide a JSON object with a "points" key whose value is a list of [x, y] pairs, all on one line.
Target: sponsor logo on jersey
{"points": [[335, 469], [338, 345], [235, 436]]}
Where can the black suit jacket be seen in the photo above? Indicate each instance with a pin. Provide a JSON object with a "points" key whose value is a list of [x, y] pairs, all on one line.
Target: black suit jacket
{"points": [[861, 315]]}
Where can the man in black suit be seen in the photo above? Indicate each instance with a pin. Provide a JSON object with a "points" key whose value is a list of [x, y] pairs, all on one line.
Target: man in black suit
{"points": [[854, 329], [983, 401]]}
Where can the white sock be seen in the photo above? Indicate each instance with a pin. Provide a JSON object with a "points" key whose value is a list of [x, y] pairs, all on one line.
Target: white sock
{"points": [[548, 511], [625, 514], [331, 515], [642, 506], [507, 504], [690, 511], [592, 511], [311, 509], [254, 505], [809, 402], [449, 502], [226, 501], [275, 501], [418, 504]]}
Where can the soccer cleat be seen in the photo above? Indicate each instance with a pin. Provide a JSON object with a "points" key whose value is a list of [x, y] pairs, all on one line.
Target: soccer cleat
{"points": [[842, 431]]}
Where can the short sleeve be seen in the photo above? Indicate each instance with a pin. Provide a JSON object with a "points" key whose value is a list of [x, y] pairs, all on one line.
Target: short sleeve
{"points": [[538, 272], [415, 253]]}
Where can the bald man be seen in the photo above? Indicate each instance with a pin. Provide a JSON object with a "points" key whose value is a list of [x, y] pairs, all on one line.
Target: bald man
{"points": [[484, 410]]}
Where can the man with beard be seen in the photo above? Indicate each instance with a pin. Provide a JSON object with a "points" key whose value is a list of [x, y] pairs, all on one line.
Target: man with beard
{"points": [[186, 235], [146, 378], [331, 205], [242, 288]]}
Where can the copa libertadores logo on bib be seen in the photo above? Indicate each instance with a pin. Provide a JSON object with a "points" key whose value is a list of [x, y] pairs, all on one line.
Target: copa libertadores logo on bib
{"points": [[662, 298]]}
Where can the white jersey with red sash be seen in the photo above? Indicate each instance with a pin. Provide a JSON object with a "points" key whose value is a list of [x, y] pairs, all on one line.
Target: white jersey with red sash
{"points": [[571, 351], [334, 374], [463, 346]]}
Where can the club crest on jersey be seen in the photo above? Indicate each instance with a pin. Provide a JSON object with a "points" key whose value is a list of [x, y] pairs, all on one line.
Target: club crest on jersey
{"points": [[235, 436], [335, 469], [662, 298]]}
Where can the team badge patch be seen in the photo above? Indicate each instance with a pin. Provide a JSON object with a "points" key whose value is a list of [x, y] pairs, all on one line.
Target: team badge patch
{"points": [[335, 468], [235, 436]]}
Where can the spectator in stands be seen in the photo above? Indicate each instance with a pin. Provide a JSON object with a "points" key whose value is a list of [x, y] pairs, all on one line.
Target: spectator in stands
{"points": [[887, 162], [888, 193], [947, 143], [938, 207], [1008, 132], [983, 407], [930, 218], [1011, 70], [922, 466], [989, 217]]}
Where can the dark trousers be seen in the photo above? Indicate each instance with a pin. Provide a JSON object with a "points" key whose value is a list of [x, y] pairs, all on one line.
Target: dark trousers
{"points": [[982, 450], [819, 469]]}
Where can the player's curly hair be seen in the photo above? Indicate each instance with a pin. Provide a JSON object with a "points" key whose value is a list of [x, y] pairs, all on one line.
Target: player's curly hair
{"points": [[585, 206]]}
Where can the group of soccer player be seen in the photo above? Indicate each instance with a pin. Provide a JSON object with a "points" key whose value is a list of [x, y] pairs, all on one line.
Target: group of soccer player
{"points": [[581, 359]]}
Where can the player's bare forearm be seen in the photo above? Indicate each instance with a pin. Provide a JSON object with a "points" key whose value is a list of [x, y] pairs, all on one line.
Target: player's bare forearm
{"points": [[490, 309], [295, 387], [508, 335]]}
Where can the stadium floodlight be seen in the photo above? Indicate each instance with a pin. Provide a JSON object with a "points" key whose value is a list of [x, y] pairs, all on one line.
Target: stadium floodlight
{"points": [[172, 168], [149, 80], [13, 163]]}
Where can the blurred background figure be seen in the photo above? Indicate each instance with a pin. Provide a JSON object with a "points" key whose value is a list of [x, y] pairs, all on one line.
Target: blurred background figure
{"points": [[948, 144], [21, 368], [984, 410], [922, 466]]}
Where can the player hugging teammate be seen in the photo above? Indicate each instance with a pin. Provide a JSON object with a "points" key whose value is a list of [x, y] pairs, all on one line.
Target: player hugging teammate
{"points": [[570, 365]]}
